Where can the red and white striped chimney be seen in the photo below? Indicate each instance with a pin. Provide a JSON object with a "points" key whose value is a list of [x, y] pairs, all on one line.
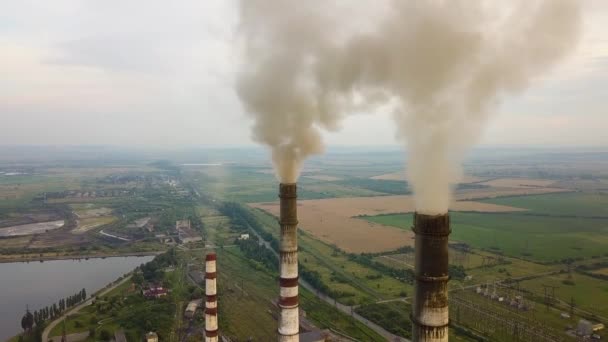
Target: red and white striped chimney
{"points": [[211, 329], [289, 322]]}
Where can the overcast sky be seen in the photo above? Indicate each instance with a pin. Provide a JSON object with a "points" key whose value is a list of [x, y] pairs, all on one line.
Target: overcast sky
{"points": [[151, 72]]}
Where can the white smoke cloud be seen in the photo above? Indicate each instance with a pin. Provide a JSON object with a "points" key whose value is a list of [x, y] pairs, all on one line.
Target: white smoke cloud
{"points": [[441, 64]]}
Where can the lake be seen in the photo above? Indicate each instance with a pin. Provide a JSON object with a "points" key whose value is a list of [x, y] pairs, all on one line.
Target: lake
{"points": [[39, 284]]}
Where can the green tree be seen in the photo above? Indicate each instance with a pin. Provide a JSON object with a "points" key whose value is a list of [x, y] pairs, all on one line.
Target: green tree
{"points": [[27, 321], [104, 335]]}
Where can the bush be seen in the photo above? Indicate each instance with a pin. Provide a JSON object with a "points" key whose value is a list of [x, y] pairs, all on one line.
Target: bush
{"points": [[104, 335]]}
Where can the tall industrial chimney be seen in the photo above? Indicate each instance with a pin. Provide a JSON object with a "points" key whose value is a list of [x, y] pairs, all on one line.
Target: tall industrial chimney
{"points": [[211, 329], [430, 316], [289, 322]]}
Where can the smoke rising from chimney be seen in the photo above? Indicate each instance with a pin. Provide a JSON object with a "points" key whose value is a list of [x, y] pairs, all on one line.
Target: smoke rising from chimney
{"points": [[440, 65]]}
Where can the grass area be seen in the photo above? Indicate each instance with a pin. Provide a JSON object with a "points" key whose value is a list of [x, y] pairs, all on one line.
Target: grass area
{"points": [[406, 260], [589, 293], [15, 242], [602, 271], [17, 191], [218, 229], [537, 319], [393, 316], [327, 317], [246, 290], [358, 284], [541, 238], [563, 204]]}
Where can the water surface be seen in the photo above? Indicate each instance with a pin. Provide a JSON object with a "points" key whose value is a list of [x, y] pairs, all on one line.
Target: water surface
{"points": [[39, 284]]}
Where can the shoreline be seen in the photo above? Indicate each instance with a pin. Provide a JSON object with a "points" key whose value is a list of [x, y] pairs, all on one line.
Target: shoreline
{"points": [[75, 257]]}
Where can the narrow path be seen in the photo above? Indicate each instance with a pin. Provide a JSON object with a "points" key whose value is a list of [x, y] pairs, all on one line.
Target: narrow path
{"points": [[47, 330]]}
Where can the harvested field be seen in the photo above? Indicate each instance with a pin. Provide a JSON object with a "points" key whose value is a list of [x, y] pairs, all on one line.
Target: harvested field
{"points": [[334, 220], [519, 183], [31, 228]]}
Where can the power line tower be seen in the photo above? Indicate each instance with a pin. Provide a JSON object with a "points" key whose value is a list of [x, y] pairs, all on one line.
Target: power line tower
{"points": [[572, 307], [549, 291], [63, 334]]}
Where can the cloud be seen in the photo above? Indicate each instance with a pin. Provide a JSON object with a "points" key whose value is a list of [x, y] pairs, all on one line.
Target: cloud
{"points": [[159, 72]]}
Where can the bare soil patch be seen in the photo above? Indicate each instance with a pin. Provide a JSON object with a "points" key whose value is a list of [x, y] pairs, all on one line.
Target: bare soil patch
{"points": [[83, 214], [84, 225], [31, 228]]}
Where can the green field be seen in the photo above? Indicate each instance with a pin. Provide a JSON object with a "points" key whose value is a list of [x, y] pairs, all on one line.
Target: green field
{"points": [[589, 293], [541, 238], [564, 204]]}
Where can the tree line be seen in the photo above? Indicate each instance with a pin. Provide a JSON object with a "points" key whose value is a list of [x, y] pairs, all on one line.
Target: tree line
{"points": [[55, 310]]}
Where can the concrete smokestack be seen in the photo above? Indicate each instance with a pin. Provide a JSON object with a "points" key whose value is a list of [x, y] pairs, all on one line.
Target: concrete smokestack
{"points": [[430, 316], [289, 322], [211, 329]]}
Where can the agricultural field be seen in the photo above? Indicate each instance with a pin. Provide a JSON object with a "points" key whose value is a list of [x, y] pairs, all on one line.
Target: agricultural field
{"points": [[552, 227], [540, 238], [401, 176], [518, 183], [335, 221], [574, 204]]}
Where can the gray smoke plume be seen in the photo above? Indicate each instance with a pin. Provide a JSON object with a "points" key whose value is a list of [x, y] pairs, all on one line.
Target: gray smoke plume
{"points": [[441, 65]]}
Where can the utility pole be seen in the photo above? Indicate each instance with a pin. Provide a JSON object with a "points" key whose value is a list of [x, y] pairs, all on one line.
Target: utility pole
{"points": [[63, 335], [572, 307], [549, 291]]}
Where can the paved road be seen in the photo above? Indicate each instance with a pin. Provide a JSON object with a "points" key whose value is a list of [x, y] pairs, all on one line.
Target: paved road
{"points": [[47, 330]]}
